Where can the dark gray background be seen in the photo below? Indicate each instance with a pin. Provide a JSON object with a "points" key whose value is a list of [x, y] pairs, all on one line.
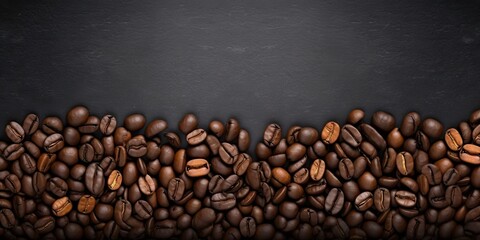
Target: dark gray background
{"points": [[294, 62]]}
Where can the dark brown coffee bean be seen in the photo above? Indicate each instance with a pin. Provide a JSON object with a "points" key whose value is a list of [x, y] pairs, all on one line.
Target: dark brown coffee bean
{"points": [[346, 168], [217, 128], [258, 172], [57, 186], [382, 199], [44, 225], [223, 201], [196, 136], [228, 152], [433, 174], [137, 146], [155, 127], [364, 201], [188, 123], [383, 121], [395, 138], [247, 227], [373, 136], [307, 136], [62, 206], [94, 179], [351, 135], [405, 199], [405, 164], [416, 228], [410, 124], [330, 132], [51, 125], [77, 116], [295, 152], [272, 135], [334, 201], [241, 164], [12, 182], [53, 143], [143, 209], [232, 130], [176, 188], [432, 128], [367, 182], [15, 132], [317, 169], [147, 185], [134, 122], [204, 218], [436, 197], [30, 123]]}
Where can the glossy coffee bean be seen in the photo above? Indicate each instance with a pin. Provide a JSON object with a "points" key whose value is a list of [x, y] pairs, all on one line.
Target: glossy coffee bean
{"points": [[330, 132], [62, 206], [383, 121], [272, 135]]}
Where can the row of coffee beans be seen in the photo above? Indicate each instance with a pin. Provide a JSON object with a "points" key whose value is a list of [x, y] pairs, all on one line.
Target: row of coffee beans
{"points": [[91, 177]]}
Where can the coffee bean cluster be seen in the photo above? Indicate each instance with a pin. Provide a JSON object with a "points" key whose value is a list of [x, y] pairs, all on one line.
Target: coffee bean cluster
{"points": [[91, 177]]}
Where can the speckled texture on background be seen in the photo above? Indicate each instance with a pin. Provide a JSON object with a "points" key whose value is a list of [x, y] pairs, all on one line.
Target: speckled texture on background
{"points": [[301, 62]]}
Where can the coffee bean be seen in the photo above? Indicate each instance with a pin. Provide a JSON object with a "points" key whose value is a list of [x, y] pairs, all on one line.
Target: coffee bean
{"points": [[155, 127], [143, 209], [197, 168], [94, 179], [241, 164], [176, 188], [86, 204], [51, 125], [12, 182], [232, 130], [44, 225], [346, 168], [295, 152], [317, 169], [364, 201], [30, 124], [280, 177], [272, 135], [405, 199], [62, 206], [247, 227], [373, 136], [453, 139], [405, 164], [470, 153], [383, 121], [228, 152], [351, 135], [53, 143], [334, 201], [330, 132], [147, 185], [223, 201], [196, 136], [15, 132]]}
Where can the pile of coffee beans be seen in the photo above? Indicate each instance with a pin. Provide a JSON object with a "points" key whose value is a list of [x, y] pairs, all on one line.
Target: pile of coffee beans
{"points": [[95, 177]]}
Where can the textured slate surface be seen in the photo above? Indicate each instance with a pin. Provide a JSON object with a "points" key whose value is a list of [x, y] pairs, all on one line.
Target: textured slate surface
{"points": [[302, 62]]}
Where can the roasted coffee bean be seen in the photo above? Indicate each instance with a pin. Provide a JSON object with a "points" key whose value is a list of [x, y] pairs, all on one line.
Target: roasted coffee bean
{"points": [[383, 121], [155, 127], [143, 209], [197, 168], [364, 201], [317, 170], [188, 123], [334, 201], [453, 139], [62, 206], [280, 177], [433, 174], [351, 135], [470, 153], [12, 182], [147, 185], [247, 227], [223, 201], [176, 188], [86, 204], [53, 143], [228, 153], [30, 124], [136, 147], [196, 136], [373, 136], [432, 127], [134, 122], [94, 179], [44, 225], [272, 135], [405, 199], [15, 132], [330, 132], [51, 125], [346, 168], [241, 164], [405, 163]]}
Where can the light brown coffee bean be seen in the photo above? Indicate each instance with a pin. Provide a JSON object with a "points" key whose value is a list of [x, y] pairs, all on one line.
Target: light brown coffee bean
{"points": [[317, 169], [330, 132], [115, 180], [62, 206]]}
